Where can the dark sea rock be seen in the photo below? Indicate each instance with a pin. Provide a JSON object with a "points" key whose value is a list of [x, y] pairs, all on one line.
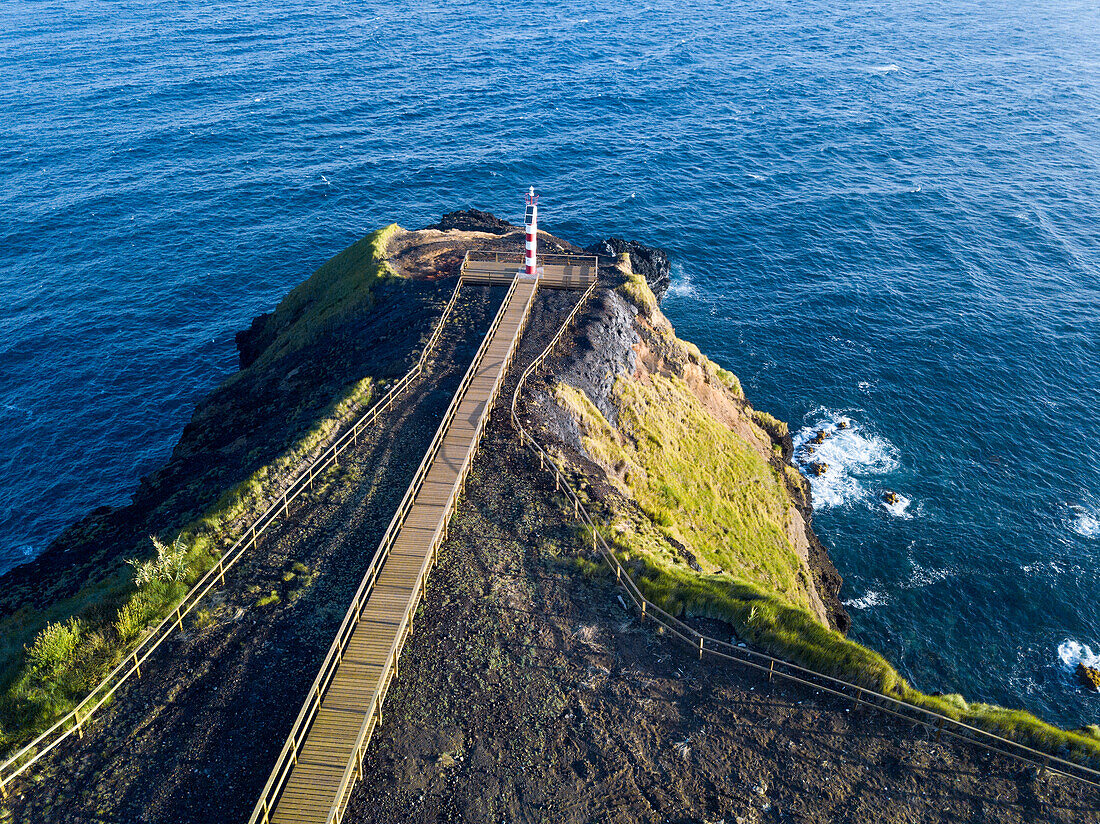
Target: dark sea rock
{"points": [[251, 342], [647, 261], [473, 220], [1089, 677]]}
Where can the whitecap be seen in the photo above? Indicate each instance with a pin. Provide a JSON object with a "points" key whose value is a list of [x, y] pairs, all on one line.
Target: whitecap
{"points": [[923, 577], [881, 71], [1071, 653], [872, 598], [1084, 523], [756, 177], [850, 453], [681, 284]]}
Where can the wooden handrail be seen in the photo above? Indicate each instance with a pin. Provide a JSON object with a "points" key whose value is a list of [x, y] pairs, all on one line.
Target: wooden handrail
{"points": [[760, 661], [299, 732], [31, 753]]}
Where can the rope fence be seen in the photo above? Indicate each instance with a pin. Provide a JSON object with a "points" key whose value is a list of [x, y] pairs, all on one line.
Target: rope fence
{"points": [[771, 666]]}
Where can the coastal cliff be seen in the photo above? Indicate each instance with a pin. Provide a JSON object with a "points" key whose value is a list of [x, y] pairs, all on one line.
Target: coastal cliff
{"points": [[523, 654]]}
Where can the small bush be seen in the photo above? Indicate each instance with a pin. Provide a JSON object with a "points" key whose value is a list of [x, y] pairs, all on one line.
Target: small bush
{"points": [[170, 563], [731, 382], [54, 646]]}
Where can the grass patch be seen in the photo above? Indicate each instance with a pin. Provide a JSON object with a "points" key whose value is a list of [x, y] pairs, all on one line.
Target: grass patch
{"points": [[637, 291], [343, 286], [776, 429], [701, 485]]}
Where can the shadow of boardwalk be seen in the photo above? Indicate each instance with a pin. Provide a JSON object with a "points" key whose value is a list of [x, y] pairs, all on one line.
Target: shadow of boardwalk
{"points": [[195, 738]]}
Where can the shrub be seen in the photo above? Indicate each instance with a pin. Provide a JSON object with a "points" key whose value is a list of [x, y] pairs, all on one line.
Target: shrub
{"points": [[170, 563], [54, 646], [776, 429]]}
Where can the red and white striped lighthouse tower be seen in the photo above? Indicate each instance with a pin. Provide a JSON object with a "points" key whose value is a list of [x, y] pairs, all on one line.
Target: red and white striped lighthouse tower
{"points": [[531, 222]]}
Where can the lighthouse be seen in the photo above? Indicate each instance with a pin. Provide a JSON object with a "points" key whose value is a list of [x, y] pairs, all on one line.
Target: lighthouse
{"points": [[531, 223]]}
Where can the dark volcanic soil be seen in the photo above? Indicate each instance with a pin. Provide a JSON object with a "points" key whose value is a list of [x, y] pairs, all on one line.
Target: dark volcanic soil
{"points": [[529, 694], [195, 739]]}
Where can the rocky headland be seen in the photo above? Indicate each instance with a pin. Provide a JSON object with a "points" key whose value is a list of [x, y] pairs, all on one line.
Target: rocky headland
{"points": [[528, 691]]}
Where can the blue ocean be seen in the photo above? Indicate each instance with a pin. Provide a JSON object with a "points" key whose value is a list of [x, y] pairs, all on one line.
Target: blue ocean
{"points": [[886, 215]]}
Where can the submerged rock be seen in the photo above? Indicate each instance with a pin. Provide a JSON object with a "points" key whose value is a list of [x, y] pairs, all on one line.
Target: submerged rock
{"points": [[1089, 677], [889, 497], [842, 424], [817, 468], [819, 437]]}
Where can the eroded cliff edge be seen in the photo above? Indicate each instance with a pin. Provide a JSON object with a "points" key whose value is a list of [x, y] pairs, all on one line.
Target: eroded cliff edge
{"points": [[672, 436]]}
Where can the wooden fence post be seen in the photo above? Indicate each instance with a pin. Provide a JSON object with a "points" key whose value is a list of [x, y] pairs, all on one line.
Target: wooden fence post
{"points": [[771, 669]]}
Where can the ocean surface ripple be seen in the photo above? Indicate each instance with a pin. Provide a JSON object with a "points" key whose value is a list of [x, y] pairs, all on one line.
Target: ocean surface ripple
{"points": [[880, 214]]}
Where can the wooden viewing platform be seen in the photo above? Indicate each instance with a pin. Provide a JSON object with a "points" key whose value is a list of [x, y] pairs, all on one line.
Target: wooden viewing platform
{"points": [[555, 271], [322, 757]]}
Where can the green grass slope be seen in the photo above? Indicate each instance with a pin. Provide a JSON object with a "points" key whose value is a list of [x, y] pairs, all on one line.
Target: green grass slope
{"points": [[700, 486]]}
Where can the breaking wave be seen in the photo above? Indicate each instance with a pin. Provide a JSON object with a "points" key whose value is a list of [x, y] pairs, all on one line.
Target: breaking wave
{"points": [[849, 456], [1071, 653], [1084, 523], [872, 598]]}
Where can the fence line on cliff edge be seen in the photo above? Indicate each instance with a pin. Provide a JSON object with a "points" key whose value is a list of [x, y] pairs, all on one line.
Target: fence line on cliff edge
{"points": [[74, 721], [769, 665]]}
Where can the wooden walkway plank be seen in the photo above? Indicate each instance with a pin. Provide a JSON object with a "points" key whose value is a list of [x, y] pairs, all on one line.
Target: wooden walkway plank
{"points": [[316, 789]]}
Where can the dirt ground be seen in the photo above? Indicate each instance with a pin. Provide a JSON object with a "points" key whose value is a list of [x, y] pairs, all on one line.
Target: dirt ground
{"points": [[529, 694]]}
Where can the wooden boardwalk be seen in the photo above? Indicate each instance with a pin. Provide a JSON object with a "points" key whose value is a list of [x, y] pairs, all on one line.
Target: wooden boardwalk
{"points": [[322, 759]]}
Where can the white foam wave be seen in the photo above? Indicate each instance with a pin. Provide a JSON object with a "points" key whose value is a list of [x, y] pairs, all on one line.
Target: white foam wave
{"points": [[681, 284], [757, 178], [1084, 523], [899, 508], [850, 453], [923, 577], [881, 71], [1071, 653], [872, 598]]}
